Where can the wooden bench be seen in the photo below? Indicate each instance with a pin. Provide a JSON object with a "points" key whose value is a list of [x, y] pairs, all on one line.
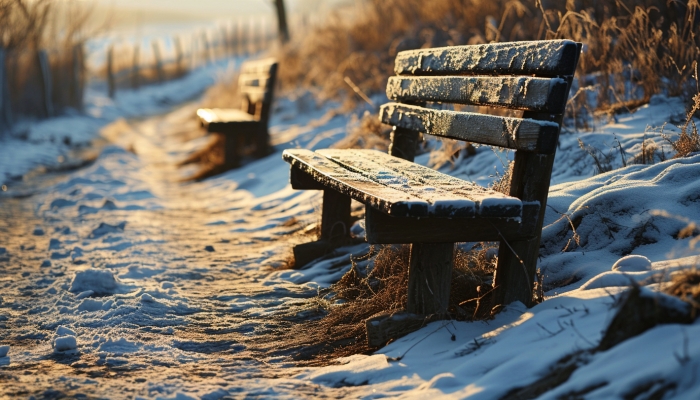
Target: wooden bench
{"points": [[408, 203], [244, 132]]}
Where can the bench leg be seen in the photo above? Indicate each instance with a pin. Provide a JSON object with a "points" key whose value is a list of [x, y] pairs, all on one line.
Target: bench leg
{"points": [[262, 143], [335, 229], [233, 146], [515, 272], [429, 277], [429, 280], [335, 216]]}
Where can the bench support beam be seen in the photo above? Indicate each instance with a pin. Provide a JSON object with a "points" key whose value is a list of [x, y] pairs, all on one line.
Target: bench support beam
{"points": [[335, 223]]}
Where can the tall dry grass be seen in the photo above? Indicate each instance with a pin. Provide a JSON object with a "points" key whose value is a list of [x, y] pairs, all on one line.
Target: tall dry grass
{"points": [[633, 49], [361, 294], [56, 27]]}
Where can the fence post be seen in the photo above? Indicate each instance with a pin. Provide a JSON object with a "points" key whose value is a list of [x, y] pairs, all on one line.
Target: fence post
{"points": [[110, 72], [78, 76], [243, 35], [223, 46], [158, 61], [205, 47], [233, 38], [45, 70], [5, 111], [178, 56], [135, 71]]}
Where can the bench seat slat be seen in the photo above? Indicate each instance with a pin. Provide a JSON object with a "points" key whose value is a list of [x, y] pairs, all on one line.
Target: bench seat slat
{"points": [[356, 186], [213, 115], [519, 92], [448, 196], [514, 133], [354, 173], [542, 58]]}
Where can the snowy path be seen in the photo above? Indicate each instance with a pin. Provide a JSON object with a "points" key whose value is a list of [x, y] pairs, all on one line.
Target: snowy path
{"points": [[193, 302], [116, 281]]}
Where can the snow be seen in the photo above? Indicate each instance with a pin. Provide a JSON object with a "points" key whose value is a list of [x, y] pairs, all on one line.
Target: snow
{"points": [[120, 294]]}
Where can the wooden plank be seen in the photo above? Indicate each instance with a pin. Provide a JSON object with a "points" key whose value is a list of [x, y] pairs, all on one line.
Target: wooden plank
{"points": [[5, 106], [385, 229], [179, 56], [429, 276], [111, 85], [542, 58], [135, 78], [78, 77], [157, 60], [448, 196], [521, 92], [46, 80], [258, 67], [440, 202], [514, 133], [213, 115], [403, 143], [335, 217], [354, 185]]}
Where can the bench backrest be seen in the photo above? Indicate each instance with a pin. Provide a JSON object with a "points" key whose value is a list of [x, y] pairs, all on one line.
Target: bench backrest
{"points": [[531, 76], [256, 84]]}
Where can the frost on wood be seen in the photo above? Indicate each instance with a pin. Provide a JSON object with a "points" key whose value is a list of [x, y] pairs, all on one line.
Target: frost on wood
{"points": [[447, 195], [544, 58], [515, 133], [401, 188], [522, 92]]}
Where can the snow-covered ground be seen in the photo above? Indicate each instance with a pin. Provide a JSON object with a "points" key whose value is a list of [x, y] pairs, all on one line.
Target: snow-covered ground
{"points": [[118, 281]]}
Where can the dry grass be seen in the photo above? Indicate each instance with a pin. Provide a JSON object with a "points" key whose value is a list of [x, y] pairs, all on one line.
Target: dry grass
{"points": [[59, 26], [360, 294], [688, 141], [685, 285], [633, 48], [366, 133]]}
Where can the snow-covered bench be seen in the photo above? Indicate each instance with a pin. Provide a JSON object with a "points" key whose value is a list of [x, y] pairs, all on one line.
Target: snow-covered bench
{"points": [[408, 203], [245, 131]]}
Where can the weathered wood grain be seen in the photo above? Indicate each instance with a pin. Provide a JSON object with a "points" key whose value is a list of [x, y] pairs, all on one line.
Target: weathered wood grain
{"points": [[521, 92], [384, 229], [513, 133], [429, 276], [354, 185], [447, 195], [541, 58]]}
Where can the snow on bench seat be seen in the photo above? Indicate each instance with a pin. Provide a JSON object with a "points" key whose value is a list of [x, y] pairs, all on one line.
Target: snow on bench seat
{"points": [[401, 188]]}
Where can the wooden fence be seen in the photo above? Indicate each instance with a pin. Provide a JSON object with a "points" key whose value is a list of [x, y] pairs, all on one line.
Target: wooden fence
{"points": [[44, 83], [40, 83], [134, 65]]}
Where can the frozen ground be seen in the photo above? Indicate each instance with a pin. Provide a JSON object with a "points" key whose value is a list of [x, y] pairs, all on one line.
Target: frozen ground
{"points": [[118, 281]]}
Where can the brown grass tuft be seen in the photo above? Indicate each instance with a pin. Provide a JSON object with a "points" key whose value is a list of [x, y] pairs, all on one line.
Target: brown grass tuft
{"points": [[366, 133], [685, 285], [688, 141], [359, 295], [633, 49]]}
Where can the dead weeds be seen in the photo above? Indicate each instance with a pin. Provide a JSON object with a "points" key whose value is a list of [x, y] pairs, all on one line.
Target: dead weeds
{"points": [[364, 292]]}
